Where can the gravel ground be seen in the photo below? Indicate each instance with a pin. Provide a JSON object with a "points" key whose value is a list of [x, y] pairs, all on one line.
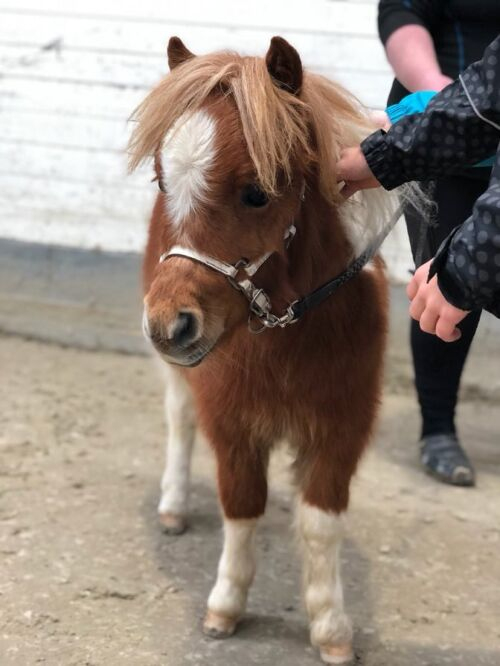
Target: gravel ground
{"points": [[88, 578]]}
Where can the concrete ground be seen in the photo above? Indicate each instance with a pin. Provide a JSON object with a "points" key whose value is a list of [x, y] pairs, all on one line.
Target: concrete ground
{"points": [[88, 578]]}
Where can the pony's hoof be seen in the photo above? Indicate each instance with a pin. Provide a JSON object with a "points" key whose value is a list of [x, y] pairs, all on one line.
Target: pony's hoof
{"points": [[173, 524], [218, 626], [337, 654]]}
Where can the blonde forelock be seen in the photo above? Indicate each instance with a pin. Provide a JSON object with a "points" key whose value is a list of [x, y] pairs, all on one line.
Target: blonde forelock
{"points": [[279, 128]]}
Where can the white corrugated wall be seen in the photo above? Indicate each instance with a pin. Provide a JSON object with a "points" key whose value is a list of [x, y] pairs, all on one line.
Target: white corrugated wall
{"points": [[72, 71]]}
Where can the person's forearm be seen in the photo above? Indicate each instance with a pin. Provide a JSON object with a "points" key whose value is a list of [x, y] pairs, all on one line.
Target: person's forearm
{"points": [[409, 152], [458, 128], [410, 51]]}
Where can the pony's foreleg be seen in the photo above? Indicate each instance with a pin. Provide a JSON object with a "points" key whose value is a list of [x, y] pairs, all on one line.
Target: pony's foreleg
{"points": [[243, 493], [228, 598], [181, 430], [319, 521]]}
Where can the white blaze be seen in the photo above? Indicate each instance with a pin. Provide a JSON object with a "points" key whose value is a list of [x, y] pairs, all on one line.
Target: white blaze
{"points": [[187, 154]]}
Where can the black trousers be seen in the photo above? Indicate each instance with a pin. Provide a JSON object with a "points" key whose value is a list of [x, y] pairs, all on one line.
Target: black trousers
{"points": [[438, 365]]}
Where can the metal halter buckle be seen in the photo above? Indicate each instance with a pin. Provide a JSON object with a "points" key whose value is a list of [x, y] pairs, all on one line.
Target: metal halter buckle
{"points": [[270, 320], [260, 304]]}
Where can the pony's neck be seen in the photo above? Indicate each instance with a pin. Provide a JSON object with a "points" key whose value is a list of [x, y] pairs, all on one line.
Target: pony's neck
{"points": [[321, 249]]}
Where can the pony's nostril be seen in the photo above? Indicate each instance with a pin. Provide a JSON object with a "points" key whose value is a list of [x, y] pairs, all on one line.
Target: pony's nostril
{"points": [[184, 330]]}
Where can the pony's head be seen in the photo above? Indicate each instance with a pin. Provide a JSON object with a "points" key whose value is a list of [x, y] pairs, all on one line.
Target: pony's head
{"points": [[235, 140]]}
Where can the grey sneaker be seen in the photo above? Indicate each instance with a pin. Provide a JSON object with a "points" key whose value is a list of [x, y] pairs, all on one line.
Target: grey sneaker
{"points": [[443, 457]]}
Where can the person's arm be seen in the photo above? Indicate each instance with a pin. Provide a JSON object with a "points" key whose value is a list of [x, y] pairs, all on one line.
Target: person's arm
{"points": [[405, 29], [467, 264], [459, 127], [410, 51], [465, 273]]}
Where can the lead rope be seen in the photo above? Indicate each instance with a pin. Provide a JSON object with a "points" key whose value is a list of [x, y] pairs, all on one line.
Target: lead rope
{"points": [[425, 225], [320, 294]]}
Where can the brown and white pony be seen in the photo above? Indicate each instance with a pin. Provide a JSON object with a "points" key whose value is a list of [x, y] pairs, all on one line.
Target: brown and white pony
{"points": [[245, 151]]}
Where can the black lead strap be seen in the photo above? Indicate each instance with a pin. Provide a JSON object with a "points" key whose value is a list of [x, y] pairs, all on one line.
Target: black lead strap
{"points": [[316, 297]]}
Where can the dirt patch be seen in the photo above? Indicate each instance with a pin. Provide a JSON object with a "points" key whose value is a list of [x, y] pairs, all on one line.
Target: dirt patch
{"points": [[88, 578]]}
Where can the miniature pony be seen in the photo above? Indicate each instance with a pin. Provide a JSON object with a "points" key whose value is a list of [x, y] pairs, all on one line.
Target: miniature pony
{"points": [[245, 151]]}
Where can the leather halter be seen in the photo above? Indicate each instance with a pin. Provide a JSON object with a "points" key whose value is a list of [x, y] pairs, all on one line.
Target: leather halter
{"points": [[259, 301]]}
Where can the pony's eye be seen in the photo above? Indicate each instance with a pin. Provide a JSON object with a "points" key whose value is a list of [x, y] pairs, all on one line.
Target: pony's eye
{"points": [[253, 196]]}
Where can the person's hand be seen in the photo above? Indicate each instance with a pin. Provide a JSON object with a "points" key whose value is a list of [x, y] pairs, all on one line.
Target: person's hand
{"points": [[430, 307], [380, 120], [353, 169]]}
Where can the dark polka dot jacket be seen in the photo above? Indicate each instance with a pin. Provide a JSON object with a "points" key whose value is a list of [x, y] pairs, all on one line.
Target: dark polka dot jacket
{"points": [[460, 126]]}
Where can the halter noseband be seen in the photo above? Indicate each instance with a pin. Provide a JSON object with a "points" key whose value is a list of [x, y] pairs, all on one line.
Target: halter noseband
{"points": [[259, 301]]}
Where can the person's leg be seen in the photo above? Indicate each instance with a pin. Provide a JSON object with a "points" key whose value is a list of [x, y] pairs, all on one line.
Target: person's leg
{"points": [[438, 369], [439, 365]]}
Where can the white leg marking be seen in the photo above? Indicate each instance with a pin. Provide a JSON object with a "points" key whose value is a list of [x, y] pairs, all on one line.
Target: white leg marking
{"points": [[321, 534], [180, 438], [236, 569], [187, 154]]}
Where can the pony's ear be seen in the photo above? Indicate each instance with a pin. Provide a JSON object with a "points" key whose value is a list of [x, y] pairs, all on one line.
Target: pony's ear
{"points": [[177, 53], [284, 65]]}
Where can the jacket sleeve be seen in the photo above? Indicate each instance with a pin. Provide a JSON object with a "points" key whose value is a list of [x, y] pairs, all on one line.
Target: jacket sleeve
{"points": [[448, 134], [468, 262], [394, 14]]}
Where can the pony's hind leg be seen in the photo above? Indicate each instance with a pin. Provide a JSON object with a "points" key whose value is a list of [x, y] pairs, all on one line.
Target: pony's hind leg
{"points": [[181, 429], [243, 494], [324, 497]]}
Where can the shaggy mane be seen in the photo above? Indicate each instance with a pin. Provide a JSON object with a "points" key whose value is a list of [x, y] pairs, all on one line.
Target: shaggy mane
{"points": [[277, 125]]}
